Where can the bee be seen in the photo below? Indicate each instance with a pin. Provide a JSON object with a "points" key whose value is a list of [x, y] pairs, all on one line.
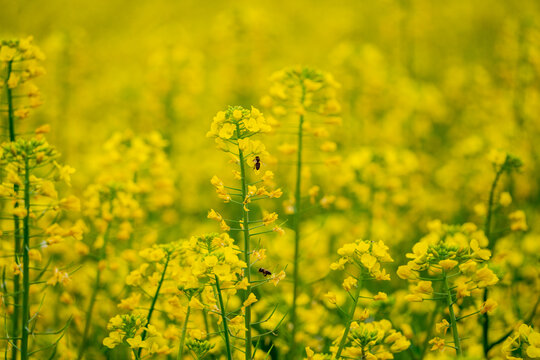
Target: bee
{"points": [[264, 272], [257, 162]]}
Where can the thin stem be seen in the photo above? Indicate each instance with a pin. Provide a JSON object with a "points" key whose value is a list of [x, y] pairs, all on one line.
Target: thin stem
{"points": [[487, 228], [352, 310], [154, 300], [430, 330], [26, 264], [183, 336], [89, 311], [296, 225], [247, 316], [95, 290], [16, 224], [224, 320], [491, 246], [11, 116], [453, 321]]}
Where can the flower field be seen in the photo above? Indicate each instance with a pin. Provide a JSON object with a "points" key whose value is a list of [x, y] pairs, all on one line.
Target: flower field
{"points": [[269, 180]]}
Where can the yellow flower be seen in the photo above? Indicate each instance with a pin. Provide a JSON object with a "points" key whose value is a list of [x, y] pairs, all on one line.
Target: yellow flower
{"points": [[349, 283], [214, 215], [237, 114], [380, 296], [364, 314], [347, 249], [533, 351], [194, 303], [268, 176], [250, 300], [488, 306], [404, 272], [518, 221], [339, 265], [137, 342], [227, 131], [64, 173], [448, 264], [269, 218], [131, 303], [113, 339], [223, 226], [279, 230], [505, 199], [438, 344], [442, 327], [368, 260], [35, 255], [71, 203], [331, 297], [20, 212], [483, 254], [423, 287], [59, 276], [485, 277], [414, 298]]}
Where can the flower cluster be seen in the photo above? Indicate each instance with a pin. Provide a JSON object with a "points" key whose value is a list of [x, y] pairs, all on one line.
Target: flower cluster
{"points": [[449, 265], [367, 256], [299, 90], [370, 341], [523, 344], [19, 64], [454, 251]]}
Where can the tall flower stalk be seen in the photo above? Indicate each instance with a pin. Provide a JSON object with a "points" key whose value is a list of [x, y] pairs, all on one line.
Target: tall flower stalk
{"points": [[447, 266], [19, 63], [37, 199], [296, 93], [233, 130], [502, 163]]}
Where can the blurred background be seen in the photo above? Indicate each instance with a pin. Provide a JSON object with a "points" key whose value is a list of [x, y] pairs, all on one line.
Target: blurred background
{"points": [[428, 89]]}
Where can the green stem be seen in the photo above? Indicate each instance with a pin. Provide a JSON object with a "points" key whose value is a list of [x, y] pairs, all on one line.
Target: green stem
{"points": [[350, 319], [16, 225], [487, 229], [95, 290], [137, 357], [224, 320], [205, 317], [11, 116], [491, 246], [453, 322], [183, 336], [247, 315], [154, 300], [425, 346], [26, 265], [296, 224], [89, 311]]}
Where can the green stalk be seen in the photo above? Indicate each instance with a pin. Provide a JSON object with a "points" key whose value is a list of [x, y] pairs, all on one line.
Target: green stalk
{"points": [[154, 300], [89, 311], [183, 336], [26, 264], [16, 224], [247, 316], [224, 320], [137, 357], [453, 321], [205, 317], [95, 290], [296, 224], [343, 340], [491, 246], [11, 117]]}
